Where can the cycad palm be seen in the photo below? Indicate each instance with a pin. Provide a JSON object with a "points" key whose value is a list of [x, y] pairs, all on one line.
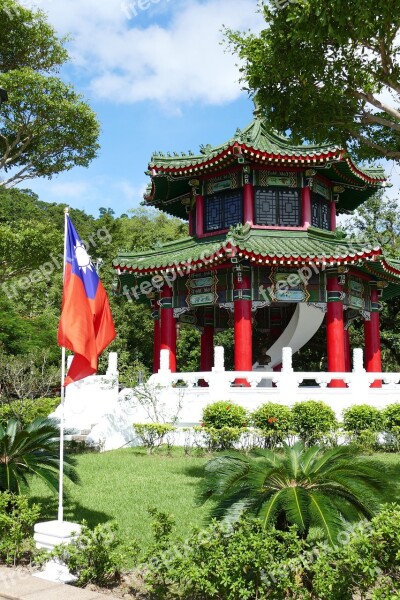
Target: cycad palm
{"points": [[307, 487], [32, 450]]}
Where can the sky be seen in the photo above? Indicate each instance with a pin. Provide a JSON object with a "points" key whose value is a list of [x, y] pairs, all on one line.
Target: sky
{"points": [[159, 78]]}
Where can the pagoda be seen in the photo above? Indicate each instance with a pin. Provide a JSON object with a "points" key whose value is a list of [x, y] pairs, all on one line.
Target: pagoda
{"points": [[263, 255]]}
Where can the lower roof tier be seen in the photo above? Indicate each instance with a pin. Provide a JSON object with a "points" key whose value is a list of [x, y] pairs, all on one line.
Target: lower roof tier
{"points": [[264, 247]]}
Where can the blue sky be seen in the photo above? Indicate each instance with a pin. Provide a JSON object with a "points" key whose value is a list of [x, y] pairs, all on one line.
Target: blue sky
{"points": [[159, 79]]}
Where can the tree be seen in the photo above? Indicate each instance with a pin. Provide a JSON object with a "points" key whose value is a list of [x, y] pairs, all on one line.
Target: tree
{"points": [[308, 488], [45, 126], [27, 40], [328, 71], [33, 450]]}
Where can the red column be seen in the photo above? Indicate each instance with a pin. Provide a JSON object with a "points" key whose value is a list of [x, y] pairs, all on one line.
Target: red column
{"points": [[372, 339], [335, 331], [333, 216], [156, 339], [306, 206], [168, 326], [248, 203], [243, 326], [191, 223], [207, 348], [347, 351], [199, 215]]}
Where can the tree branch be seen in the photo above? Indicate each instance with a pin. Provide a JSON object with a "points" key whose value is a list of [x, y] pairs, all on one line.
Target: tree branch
{"points": [[381, 149], [370, 99], [367, 117]]}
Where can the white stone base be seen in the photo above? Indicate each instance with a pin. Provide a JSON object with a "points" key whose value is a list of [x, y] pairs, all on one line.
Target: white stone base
{"points": [[56, 572], [49, 534]]}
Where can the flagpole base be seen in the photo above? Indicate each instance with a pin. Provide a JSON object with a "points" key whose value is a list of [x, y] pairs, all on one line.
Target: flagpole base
{"points": [[49, 534]]}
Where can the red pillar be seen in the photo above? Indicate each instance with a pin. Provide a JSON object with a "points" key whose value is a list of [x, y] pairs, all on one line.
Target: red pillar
{"points": [[168, 326], [333, 216], [306, 206], [243, 326], [347, 351], [207, 348], [335, 331], [191, 223], [372, 339], [199, 215], [156, 340], [248, 203]]}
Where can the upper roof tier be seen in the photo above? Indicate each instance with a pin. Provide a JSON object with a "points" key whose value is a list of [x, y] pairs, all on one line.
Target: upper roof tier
{"points": [[257, 146]]}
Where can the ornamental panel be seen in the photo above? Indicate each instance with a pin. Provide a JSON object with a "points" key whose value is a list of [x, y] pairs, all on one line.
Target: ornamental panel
{"points": [[223, 210], [265, 207], [277, 207]]}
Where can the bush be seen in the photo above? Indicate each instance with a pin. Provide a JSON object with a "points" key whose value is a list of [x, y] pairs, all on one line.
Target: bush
{"points": [[224, 414], [274, 422], [97, 555], [152, 435], [243, 561], [27, 410], [17, 519], [313, 420], [223, 438], [391, 417], [360, 418]]}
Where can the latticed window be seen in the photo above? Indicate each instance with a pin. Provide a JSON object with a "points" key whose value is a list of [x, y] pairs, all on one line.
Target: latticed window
{"points": [[223, 210], [320, 212], [276, 206]]}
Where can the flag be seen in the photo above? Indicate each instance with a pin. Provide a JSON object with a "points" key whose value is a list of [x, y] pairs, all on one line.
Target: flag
{"points": [[86, 326]]}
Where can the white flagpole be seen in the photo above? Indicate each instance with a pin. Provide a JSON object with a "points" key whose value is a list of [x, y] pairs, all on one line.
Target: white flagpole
{"points": [[61, 468]]}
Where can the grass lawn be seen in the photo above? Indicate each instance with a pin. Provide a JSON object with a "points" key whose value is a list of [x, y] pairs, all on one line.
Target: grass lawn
{"points": [[121, 485]]}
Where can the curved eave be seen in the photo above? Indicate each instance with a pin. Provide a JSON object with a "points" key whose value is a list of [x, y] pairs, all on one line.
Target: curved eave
{"points": [[197, 164], [193, 254]]}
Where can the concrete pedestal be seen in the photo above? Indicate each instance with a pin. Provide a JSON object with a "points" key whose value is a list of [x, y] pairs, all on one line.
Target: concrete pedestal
{"points": [[49, 534]]}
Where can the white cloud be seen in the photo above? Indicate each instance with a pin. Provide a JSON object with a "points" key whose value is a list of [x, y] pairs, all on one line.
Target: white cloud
{"points": [[177, 60]]}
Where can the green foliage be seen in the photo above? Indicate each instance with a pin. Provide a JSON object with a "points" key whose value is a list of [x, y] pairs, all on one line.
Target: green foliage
{"points": [[224, 414], [31, 450], [275, 422], [307, 487], [222, 438], [152, 435], [313, 420], [363, 423], [96, 556], [26, 410], [26, 376], [17, 519], [391, 416], [27, 39], [242, 562], [327, 72], [359, 417]]}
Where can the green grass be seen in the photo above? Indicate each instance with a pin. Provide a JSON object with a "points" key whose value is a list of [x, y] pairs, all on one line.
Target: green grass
{"points": [[122, 484]]}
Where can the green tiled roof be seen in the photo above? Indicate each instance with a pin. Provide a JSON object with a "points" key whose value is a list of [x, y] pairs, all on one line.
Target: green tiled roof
{"points": [[310, 245], [258, 146]]}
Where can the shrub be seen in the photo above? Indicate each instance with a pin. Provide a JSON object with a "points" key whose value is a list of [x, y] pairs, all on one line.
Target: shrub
{"points": [[313, 420], [362, 417], [152, 435], [27, 410], [223, 438], [274, 422], [224, 414], [391, 417], [97, 555], [242, 562], [17, 519]]}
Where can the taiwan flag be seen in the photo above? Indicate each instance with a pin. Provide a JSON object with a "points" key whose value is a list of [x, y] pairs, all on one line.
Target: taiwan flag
{"points": [[86, 326]]}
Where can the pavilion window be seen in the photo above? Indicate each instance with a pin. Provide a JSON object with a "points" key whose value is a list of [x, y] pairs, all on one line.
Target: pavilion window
{"points": [[223, 210], [277, 207], [320, 212]]}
